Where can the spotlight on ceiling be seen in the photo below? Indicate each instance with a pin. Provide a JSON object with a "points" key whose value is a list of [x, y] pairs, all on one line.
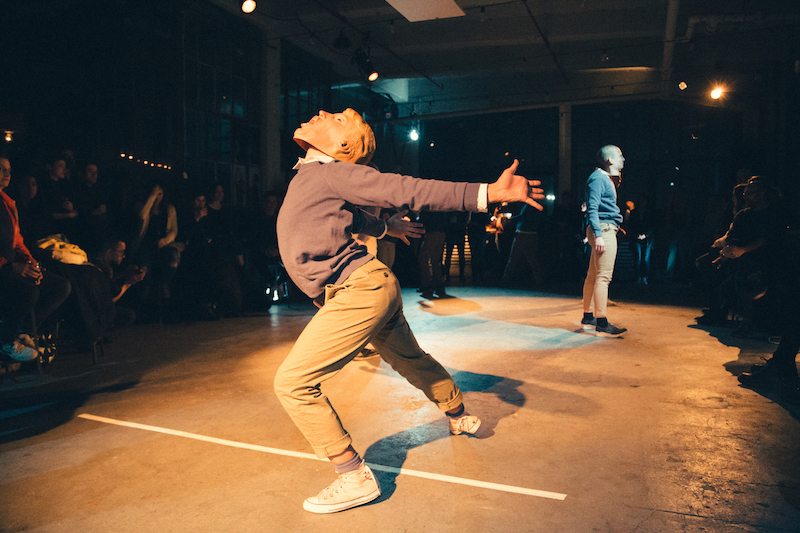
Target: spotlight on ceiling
{"points": [[248, 6], [364, 64], [716, 93]]}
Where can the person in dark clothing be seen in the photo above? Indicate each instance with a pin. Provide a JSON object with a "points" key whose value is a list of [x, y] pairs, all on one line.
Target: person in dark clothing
{"points": [[455, 235], [27, 293], [91, 199], [430, 254], [57, 195], [642, 224], [525, 249], [109, 261], [781, 368], [753, 247], [154, 245]]}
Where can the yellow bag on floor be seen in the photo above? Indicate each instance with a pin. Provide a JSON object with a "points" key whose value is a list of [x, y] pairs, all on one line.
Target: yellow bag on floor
{"points": [[62, 250]]}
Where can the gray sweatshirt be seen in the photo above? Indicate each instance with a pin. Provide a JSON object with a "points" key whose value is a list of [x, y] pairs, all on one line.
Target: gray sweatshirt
{"points": [[319, 216]]}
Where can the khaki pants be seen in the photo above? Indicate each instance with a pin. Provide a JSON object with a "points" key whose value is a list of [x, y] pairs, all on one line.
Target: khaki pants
{"points": [[367, 308], [601, 269]]}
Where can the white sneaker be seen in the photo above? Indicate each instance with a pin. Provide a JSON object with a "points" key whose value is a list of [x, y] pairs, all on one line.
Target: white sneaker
{"points": [[465, 424], [350, 489], [19, 352]]}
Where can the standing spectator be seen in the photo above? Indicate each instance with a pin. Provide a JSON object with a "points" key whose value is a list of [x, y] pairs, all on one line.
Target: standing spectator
{"points": [[264, 257], [431, 253], [525, 249], [476, 236], [604, 218], [642, 224], [675, 224], [455, 235]]}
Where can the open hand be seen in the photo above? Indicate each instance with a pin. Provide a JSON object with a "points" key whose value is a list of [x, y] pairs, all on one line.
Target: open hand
{"points": [[511, 187], [400, 226]]}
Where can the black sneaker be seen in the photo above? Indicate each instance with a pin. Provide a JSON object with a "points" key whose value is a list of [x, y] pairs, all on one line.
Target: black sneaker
{"points": [[609, 331], [767, 374], [589, 323]]}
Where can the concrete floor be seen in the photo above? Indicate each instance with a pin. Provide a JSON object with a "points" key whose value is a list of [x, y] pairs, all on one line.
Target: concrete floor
{"points": [[649, 433]]}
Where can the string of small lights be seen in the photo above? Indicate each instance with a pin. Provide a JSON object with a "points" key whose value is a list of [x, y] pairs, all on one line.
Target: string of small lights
{"points": [[145, 162]]}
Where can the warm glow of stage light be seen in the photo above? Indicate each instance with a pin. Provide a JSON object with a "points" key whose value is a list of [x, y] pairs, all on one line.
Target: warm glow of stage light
{"points": [[122, 155], [146, 162], [682, 86], [716, 93], [130, 157], [9, 136], [248, 6]]}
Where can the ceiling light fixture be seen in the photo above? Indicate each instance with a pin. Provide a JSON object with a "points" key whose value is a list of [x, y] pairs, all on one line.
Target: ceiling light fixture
{"points": [[364, 64], [248, 6]]}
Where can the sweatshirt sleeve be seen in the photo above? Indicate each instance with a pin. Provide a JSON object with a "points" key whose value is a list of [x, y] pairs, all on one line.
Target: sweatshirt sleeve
{"points": [[593, 195], [362, 185], [366, 223]]}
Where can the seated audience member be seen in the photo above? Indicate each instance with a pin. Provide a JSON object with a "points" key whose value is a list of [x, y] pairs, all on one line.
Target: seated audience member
{"points": [[56, 195], [781, 368], [27, 293], [752, 245], [154, 245], [714, 270], [91, 202], [111, 256], [214, 199], [32, 221]]}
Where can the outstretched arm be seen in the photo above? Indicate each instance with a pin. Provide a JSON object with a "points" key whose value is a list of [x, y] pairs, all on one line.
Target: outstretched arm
{"points": [[511, 187]]}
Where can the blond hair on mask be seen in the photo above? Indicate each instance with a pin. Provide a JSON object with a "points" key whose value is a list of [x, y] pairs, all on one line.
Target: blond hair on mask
{"points": [[359, 146]]}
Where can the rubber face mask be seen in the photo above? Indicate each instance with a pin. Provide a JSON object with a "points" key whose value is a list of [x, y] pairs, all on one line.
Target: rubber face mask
{"points": [[344, 136]]}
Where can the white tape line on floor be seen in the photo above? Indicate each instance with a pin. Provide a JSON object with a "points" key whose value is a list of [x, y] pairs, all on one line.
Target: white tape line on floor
{"points": [[301, 455]]}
